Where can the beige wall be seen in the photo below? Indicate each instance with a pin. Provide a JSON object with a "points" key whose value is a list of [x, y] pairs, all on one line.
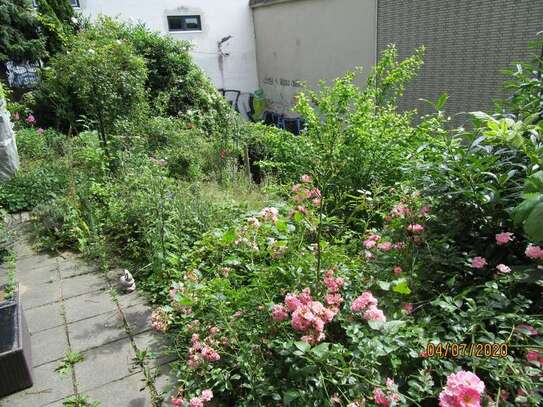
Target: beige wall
{"points": [[310, 40]]}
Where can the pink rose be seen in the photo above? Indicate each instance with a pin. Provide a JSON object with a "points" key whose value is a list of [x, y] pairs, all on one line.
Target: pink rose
{"points": [[306, 179], [40, 131], [502, 268], [478, 262], [385, 246], [374, 314], [415, 228], [363, 301], [279, 313], [397, 270], [408, 308], [534, 252], [31, 119], [504, 238], [380, 398]]}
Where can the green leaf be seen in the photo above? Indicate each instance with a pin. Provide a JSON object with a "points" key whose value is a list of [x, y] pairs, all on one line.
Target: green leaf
{"points": [[290, 395], [384, 285], [441, 101], [320, 350], [523, 210], [534, 183], [229, 236], [401, 287], [534, 224], [376, 325], [302, 346]]}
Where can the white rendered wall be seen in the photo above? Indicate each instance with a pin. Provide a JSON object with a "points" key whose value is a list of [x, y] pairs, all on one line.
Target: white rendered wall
{"points": [[220, 18]]}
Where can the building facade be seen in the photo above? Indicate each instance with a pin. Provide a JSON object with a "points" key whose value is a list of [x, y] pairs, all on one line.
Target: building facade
{"points": [[308, 41], [222, 32], [468, 46]]}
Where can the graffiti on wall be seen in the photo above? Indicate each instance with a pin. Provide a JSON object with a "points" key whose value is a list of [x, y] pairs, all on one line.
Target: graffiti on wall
{"points": [[22, 75]]}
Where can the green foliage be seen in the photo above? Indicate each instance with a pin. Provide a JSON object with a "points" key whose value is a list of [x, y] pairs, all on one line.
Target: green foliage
{"points": [[175, 85], [57, 19], [99, 79], [20, 39], [354, 138], [68, 362]]}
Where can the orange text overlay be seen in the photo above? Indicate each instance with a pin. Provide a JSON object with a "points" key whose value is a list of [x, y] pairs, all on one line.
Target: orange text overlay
{"points": [[466, 350]]}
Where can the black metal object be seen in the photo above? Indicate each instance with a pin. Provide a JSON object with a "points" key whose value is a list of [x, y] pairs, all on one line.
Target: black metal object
{"points": [[15, 348]]}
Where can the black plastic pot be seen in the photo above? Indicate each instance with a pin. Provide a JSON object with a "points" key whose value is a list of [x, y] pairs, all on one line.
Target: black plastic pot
{"points": [[15, 351]]}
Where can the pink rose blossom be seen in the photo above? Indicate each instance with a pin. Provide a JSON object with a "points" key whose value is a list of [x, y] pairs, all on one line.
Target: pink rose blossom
{"points": [[40, 131], [399, 245], [178, 401], [380, 398], [279, 313], [17, 116], [292, 302], [210, 354], [425, 210], [213, 331], [527, 330], [316, 202], [463, 389], [478, 262], [374, 314], [534, 252], [207, 395], [296, 188], [196, 402], [532, 356], [415, 228], [385, 246], [270, 214], [504, 238], [31, 119], [305, 296], [306, 179], [397, 270], [363, 301], [400, 210], [369, 244], [502, 268], [408, 308]]}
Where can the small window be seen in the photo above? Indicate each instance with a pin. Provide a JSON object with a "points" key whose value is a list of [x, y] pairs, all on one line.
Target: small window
{"points": [[184, 23]]}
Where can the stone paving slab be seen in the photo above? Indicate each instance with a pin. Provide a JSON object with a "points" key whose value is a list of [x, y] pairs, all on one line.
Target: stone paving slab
{"points": [[44, 317], [155, 345], [48, 345], [82, 284], [166, 384], [105, 364], [38, 261], [138, 318], [68, 305], [93, 332], [125, 392], [89, 305], [48, 387], [36, 295]]}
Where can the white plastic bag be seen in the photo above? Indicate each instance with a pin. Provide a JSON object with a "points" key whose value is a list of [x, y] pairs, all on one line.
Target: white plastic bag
{"points": [[9, 159]]}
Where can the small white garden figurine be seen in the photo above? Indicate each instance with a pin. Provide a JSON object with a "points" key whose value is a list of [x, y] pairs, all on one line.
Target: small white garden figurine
{"points": [[127, 281]]}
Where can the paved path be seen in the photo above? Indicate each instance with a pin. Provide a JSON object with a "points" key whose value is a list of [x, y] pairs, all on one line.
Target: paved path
{"points": [[69, 305]]}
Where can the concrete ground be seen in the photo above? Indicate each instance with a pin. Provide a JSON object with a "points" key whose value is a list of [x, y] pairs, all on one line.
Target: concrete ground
{"points": [[70, 306]]}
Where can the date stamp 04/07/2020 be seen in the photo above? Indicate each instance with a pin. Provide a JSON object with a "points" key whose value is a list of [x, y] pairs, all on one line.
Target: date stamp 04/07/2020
{"points": [[465, 350]]}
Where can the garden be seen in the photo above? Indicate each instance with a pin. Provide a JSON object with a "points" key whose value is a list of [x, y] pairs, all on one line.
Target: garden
{"points": [[378, 259]]}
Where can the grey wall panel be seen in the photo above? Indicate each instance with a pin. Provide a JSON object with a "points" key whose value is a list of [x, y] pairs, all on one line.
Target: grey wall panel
{"points": [[468, 43]]}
